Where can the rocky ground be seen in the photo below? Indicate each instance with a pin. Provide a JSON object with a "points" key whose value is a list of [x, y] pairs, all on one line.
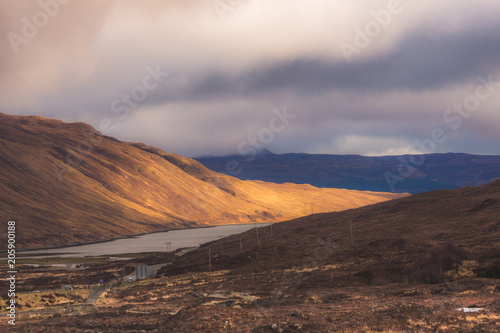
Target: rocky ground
{"points": [[202, 302], [258, 295], [407, 265]]}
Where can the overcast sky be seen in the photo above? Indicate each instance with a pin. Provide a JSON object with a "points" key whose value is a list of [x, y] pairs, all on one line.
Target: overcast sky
{"points": [[198, 77]]}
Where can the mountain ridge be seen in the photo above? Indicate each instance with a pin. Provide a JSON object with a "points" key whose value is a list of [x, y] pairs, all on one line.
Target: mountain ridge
{"points": [[365, 173], [67, 183]]}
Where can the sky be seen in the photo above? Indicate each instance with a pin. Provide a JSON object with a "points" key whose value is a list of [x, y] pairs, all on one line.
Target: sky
{"points": [[204, 77]]}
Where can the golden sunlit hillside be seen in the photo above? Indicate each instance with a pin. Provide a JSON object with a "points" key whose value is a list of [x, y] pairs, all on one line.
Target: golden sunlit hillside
{"points": [[66, 183]]}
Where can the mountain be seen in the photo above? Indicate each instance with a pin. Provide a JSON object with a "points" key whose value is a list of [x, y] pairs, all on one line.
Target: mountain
{"points": [[409, 227], [405, 173], [67, 183], [404, 265], [410, 264]]}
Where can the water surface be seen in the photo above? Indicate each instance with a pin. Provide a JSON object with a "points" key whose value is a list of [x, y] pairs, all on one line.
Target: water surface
{"points": [[156, 242]]}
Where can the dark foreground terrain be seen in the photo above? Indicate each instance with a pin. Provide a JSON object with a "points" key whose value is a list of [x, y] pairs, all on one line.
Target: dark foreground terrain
{"points": [[409, 265]]}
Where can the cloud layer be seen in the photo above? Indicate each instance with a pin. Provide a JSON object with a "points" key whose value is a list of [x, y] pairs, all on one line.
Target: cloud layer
{"points": [[230, 63]]}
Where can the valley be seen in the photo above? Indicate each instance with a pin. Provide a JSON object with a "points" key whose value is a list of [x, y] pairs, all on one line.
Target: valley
{"points": [[410, 265], [66, 183], [249, 166]]}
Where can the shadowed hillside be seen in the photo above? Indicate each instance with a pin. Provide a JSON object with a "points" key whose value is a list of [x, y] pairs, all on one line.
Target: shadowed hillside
{"points": [[410, 264], [409, 227]]}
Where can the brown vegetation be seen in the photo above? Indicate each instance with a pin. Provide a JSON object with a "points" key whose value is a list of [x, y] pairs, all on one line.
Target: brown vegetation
{"points": [[414, 262], [66, 183]]}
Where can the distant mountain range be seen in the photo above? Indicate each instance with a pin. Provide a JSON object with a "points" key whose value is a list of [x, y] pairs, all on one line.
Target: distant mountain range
{"points": [[67, 183], [405, 173]]}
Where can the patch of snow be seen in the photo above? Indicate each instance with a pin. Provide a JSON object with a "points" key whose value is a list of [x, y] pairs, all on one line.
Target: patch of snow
{"points": [[471, 309]]}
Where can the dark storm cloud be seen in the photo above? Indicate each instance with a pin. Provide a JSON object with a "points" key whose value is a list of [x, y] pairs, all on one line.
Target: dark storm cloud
{"points": [[227, 75], [422, 61]]}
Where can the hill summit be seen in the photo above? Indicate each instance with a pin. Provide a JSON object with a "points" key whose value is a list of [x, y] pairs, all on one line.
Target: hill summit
{"points": [[66, 183]]}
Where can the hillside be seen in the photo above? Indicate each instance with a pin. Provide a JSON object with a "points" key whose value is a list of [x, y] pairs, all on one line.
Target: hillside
{"points": [[366, 173], [466, 218], [66, 183], [412, 264]]}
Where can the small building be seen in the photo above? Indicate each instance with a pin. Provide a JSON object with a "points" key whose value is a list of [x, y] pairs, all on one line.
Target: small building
{"points": [[141, 271], [66, 287]]}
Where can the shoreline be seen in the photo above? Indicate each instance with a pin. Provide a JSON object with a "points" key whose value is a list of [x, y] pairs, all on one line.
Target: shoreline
{"points": [[27, 251]]}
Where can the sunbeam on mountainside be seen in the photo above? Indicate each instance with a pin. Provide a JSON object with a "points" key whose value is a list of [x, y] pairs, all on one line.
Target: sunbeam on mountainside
{"points": [[66, 183]]}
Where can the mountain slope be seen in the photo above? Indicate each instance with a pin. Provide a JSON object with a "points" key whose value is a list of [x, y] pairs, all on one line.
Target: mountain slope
{"points": [[406, 228], [412, 264], [66, 183], [366, 173]]}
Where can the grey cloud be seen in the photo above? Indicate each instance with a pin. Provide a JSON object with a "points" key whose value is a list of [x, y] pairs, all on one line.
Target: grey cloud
{"points": [[422, 61], [214, 100]]}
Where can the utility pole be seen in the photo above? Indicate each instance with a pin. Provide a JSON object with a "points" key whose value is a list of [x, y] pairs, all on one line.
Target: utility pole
{"points": [[305, 205], [241, 246], [221, 252], [352, 239], [210, 260], [257, 231]]}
